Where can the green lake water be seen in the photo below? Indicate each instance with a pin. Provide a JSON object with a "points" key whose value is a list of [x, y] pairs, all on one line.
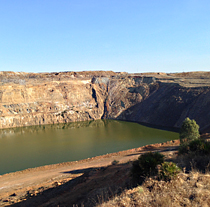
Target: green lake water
{"points": [[28, 147]]}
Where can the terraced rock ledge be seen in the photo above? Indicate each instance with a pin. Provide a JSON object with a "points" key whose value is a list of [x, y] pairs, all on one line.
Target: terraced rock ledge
{"points": [[154, 98]]}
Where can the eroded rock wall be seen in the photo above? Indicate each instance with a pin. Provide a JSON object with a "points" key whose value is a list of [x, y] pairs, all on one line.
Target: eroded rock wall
{"points": [[48, 98], [35, 99]]}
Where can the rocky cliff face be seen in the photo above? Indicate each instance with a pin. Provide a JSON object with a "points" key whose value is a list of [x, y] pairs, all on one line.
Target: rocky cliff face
{"points": [[49, 98]]}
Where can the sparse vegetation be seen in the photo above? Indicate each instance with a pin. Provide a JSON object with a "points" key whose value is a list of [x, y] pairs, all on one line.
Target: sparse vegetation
{"points": [[195, 154], [188, 188], [151, 164], [146, 165], [196, 147], [168, 171]]}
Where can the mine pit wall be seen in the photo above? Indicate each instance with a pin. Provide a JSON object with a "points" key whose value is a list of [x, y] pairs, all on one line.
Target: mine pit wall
{"points": [[170, 105], [51, 101], [27, 99], [48, 103]]}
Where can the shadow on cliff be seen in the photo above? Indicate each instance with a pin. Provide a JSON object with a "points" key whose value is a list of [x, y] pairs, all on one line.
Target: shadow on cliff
{"points": [[136, 117], [125, 116], [167, 107]]}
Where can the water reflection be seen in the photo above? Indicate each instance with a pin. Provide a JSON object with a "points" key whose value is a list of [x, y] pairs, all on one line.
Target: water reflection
{"points": [[36, 129], [25, 147]]}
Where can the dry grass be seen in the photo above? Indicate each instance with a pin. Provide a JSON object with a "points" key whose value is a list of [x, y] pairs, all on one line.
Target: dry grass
{"points": [[187, 190], [190, 188]]}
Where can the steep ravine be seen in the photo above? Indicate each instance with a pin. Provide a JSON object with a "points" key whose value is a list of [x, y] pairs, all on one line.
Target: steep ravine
{"points": [[49, 98]]}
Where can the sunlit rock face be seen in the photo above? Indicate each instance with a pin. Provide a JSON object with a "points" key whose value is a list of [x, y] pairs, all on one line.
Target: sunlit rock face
{"points": [[50, 98]]}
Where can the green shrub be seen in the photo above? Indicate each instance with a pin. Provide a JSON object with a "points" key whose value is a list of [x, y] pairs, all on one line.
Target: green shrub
{"points": [[184, 149], [195, 162], [197, 146], [207, 147], [136, 170], [146, 165], [189, 131], [168, 171]]}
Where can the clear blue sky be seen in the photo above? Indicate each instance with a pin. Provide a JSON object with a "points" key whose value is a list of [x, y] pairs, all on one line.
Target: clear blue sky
{"points": [[118, 35]]}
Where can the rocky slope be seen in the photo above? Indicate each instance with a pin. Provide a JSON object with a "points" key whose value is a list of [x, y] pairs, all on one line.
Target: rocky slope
{"points": [[158, 99]]}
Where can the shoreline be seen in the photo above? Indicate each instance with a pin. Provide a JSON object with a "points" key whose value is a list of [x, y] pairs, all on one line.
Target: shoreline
{"points": [[15, 186], [85, 159], [70, 163]]}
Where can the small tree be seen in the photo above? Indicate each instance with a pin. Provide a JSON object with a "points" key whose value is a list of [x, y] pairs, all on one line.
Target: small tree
{"points": [[189, 131]]}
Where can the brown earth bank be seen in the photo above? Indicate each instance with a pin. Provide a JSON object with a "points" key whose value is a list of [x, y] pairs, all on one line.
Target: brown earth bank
{"points": [[153, 98], [81, 183]]}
